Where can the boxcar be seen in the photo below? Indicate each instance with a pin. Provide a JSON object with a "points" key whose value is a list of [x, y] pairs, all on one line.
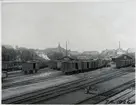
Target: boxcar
{"points": [[59, 65], [123, 61], [93, 64], [56, 64], [11, 65], [133, 63], [84, 65], [66, 66], [30, 67], [100, 63], [71, 66], [7, 65], [77, 66]]}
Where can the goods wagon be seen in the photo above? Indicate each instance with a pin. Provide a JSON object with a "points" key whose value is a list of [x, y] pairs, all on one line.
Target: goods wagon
{"points": [[55, 64], [133, 63], [124, 61], [11, 65], [30, 67], [7, 66], [42, 64], [72, 66], [81, 66]]}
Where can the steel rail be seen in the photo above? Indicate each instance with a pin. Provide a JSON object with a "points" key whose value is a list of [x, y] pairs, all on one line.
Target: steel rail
{"points": [[73, 88], [27, 97], [96, 99], [26, 82]]}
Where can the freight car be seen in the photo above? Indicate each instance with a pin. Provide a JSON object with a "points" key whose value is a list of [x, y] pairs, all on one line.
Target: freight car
{"points": [[133, 63], [11, 65], [124, 61], [7, 65], [42, 64], [55, 64], [82, 66], [30, 67]]}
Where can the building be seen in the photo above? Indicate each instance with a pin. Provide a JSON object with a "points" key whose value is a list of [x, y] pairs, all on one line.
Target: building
{"points": [[91, 53], [120, 51]]}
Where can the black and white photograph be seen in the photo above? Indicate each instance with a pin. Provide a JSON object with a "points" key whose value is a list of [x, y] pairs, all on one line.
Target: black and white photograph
{"points": [[68, 52]]}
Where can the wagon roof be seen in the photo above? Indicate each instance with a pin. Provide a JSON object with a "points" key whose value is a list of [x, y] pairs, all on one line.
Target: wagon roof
{"points": [[30, 62], [11, 61], [120, 56], [66, 57]]}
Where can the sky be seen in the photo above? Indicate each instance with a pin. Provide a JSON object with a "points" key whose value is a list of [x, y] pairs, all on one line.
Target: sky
{"points": [[87, 26]]}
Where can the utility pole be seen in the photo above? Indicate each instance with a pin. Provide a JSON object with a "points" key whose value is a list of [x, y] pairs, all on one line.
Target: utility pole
{"points": [[59, 47]]}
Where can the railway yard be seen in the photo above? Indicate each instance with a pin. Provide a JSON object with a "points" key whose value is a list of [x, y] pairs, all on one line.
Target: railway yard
{"points": [[68, 52], [48, 86]]}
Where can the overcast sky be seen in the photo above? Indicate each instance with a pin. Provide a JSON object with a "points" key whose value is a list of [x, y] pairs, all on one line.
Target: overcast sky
{"points": [[86, 26]]}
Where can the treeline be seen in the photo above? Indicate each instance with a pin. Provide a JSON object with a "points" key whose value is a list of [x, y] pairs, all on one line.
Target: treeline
{"points": [[19, 54], [55, 55], [24, 54]]}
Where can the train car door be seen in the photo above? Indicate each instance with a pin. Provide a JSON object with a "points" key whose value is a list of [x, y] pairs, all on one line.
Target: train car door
{"points": [[34, 65]]}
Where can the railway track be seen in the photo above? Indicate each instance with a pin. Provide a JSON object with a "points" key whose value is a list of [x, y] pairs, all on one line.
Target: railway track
{"points": [[103, 96], [11, 82], [17, 75], [26, 82], [41, 79], [125, 95], [42, 95], [132, 100], [29, 81], [122, 99]]}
